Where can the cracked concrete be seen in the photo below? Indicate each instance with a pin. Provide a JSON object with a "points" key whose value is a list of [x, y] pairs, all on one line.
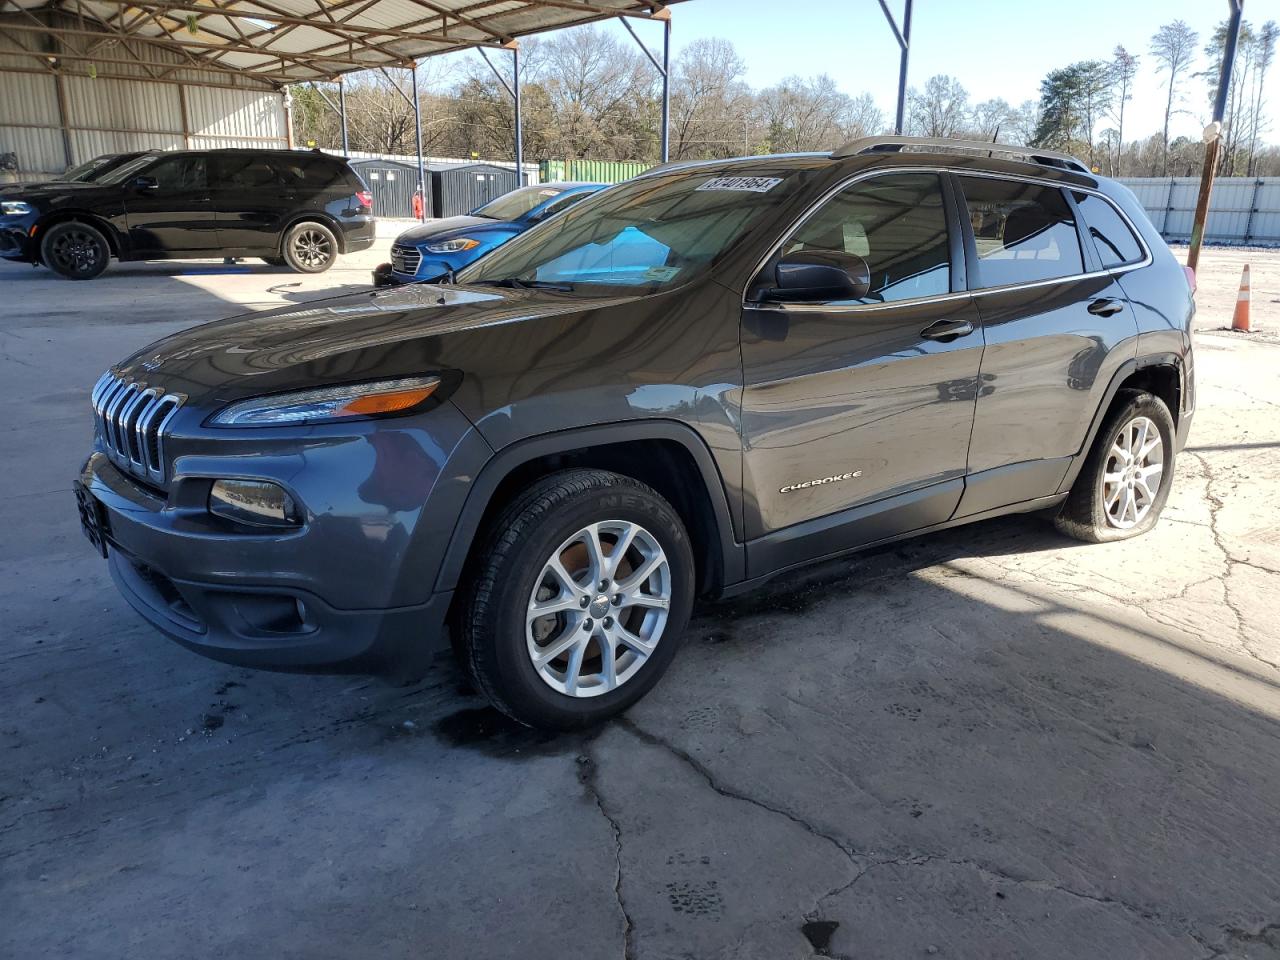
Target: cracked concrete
{"points": [[984, 744]]}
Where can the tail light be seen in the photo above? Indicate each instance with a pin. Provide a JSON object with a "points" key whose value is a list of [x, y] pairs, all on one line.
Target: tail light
{"points": [[365, 198], [1191, 278]]}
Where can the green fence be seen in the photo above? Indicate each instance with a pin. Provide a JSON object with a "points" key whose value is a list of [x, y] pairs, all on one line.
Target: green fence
{"points": [[595, 171]]}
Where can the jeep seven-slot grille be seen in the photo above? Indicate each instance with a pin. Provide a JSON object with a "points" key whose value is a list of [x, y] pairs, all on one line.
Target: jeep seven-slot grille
{"points": [[405, 259], [131, 418]]}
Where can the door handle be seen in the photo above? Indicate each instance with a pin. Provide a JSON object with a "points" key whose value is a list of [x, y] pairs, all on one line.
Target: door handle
{"points": [[947, 330], [1105, 307]]}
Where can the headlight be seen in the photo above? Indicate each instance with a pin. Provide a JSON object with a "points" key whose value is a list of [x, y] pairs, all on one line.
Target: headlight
{"points": [[328, 403], [258, 502], [14, 208], [453, 246]]}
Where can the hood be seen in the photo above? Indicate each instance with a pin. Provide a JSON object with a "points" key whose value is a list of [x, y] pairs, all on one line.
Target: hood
{"points": [[47, 188], [449, 227], [399, 332]]}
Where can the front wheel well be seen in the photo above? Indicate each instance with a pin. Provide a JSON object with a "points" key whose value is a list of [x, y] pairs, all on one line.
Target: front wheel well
{"points": [[665, 465], [71, 216]]}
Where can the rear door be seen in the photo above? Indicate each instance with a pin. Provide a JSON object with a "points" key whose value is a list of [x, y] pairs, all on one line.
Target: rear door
{"points": [[252, 201], [856, 414], [1057, 328], [172, 214]]}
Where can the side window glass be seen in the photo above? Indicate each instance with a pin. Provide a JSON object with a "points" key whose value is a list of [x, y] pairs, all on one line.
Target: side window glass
{"points": [[556, 206], [897, 224], [1024, 231], [179, 175], [247, 172], [1111, 236]]}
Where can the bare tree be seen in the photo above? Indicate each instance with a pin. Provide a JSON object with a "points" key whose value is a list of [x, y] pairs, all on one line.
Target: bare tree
{"points": [[941, 110], [1173, 47], [990, 118], [710, 102], [800, 114], [1124, 68], [1266, 52]]}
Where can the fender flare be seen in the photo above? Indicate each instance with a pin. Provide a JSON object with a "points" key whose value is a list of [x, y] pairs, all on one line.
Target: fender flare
{"points": [[732, 554], [1125, 371]]}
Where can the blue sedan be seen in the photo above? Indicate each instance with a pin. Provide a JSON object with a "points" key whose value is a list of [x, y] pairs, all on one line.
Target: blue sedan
{"points": [[433, 250]]}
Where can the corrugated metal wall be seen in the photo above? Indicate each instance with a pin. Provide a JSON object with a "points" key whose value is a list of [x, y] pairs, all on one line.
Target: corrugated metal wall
{"points": [[1241, 209], [119, 107], [595, 171]]}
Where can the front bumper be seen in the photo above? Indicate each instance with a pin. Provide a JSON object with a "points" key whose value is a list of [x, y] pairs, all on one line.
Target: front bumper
{"points": [[233, 597], [16, 242]]}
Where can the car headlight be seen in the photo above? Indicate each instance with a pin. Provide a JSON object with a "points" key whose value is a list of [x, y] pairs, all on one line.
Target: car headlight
{"points": [[14, 208], [453, 246], [327, 404]]}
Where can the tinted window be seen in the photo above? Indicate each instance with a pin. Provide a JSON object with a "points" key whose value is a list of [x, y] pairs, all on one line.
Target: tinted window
{"points": [[245, 171], [551, 209], [179, 175], [513, 205], [1112, 238], [317, 173], [1024, 231], [897, 224]]}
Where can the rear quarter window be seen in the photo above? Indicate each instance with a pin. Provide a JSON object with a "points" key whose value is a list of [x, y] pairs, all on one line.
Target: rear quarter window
{"points": [[1111, 236], [1024, 232]]}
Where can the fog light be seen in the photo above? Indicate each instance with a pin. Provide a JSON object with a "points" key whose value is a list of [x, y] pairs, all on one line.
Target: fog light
{"points": [[257, 502]]}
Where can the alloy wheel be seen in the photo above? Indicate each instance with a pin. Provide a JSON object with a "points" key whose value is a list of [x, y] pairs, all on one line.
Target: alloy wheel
{"points": [[598, 608], [76, 251], [1131, 477], [311, 248]]}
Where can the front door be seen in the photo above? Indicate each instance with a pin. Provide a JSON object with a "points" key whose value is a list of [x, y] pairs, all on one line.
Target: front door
{"points": [[856, 414], [169, 210]]}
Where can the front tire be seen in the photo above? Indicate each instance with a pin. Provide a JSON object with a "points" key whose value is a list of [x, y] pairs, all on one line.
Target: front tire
{"points": [[579, 599], [310, 247], [1125, 482], [75, 250]]}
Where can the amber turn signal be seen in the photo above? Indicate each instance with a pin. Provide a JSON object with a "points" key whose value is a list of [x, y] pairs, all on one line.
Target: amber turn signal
{"points": [[392, 402]]}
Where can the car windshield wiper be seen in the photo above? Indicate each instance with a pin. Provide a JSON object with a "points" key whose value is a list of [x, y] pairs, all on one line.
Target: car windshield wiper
{"points": [[515, 283]]}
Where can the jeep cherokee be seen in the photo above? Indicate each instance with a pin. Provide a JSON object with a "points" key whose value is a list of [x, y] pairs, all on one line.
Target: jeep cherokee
{"points": [[680, 387]]}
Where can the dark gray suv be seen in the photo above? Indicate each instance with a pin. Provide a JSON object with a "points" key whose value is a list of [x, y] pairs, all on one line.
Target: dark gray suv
{"points": [[682, 386]]}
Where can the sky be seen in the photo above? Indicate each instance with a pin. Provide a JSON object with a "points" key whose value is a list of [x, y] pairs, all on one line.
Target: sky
{"points": [[995, 48]]}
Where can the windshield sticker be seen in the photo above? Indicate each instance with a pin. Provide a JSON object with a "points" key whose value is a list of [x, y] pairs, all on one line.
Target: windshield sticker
{"points": [[661, 273], [742, 184]]}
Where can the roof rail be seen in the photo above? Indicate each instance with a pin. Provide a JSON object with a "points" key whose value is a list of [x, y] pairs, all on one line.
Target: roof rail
{"points": [[887, 144]]}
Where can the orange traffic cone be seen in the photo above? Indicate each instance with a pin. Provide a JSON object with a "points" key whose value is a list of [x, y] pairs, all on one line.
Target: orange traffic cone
{"points": [[1240, 320]]}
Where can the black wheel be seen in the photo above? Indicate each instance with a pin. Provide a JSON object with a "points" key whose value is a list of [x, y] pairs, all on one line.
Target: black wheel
{"points": [[310, 247], [75, 250], [1125, 480], [579, 599], [273, 261]]}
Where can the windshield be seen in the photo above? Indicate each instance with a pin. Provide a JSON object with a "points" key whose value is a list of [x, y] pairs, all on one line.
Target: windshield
{"points": [[95, 168], [514, 205], [126, 170], [656, 231]]}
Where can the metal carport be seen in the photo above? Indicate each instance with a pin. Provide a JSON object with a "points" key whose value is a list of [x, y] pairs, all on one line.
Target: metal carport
{"points": [[83, 73]]}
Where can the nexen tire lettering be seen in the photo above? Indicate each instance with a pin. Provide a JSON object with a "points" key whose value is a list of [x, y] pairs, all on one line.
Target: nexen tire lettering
{"points": [[853, 475]]}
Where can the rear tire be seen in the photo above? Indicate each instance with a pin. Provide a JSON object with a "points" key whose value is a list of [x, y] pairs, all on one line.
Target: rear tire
{"points": [[310, 247], [616, 621], [1125, 481], [75, 250]]}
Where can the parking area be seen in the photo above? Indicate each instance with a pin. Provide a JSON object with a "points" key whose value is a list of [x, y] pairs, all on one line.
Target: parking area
{"points": [[990, 742]]}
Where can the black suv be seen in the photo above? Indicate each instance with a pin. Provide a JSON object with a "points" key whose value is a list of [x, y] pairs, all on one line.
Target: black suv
{"points": [[287, 207], [679, 387]]}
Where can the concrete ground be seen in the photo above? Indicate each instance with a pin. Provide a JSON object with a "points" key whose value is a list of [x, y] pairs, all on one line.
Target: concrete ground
{"points": [[987, 743]]}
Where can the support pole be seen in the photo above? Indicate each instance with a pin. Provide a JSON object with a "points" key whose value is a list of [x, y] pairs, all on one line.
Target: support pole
{"points": [[417, 127], [342, 113], [1213, 134], [519, 131], [666, 89], [903, 37], [286, 100]]}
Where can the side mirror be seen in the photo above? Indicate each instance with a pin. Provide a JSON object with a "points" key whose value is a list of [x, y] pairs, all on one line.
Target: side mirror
{"points": [[146, 183], [816, 276]]}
